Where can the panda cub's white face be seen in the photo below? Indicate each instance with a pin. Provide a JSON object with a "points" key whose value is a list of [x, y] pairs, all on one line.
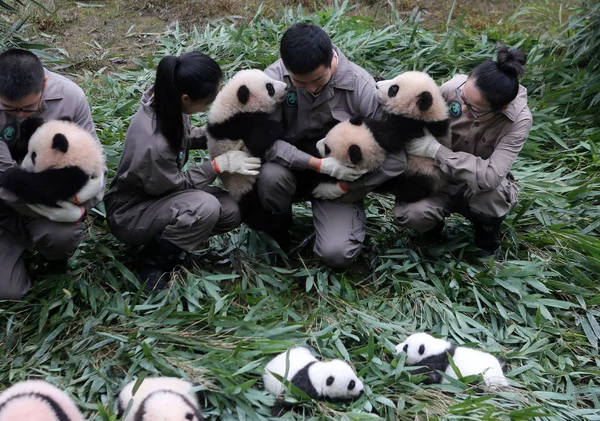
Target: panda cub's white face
{"points": [[248, 91], [414, 95], [335, 379], [420, 346]]}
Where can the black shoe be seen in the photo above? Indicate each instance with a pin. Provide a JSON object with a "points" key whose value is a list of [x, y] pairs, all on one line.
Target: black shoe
{"points": [[436, 234], [159, 258], [487, 235]]}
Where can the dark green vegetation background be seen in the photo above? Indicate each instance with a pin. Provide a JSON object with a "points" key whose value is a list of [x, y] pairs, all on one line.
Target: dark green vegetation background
{"points": [[92, 330]]}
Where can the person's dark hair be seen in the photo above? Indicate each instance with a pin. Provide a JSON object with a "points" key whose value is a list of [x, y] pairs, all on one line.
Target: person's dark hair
{"points": [[305, 47], [22, 74], [194, 74], [498, 80]]}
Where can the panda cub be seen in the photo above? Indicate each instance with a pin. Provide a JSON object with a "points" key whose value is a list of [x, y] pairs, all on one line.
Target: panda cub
{"points": [[414, 104], [64, 162], [160, 399], [424, 350], [39, 401], [239, 120], [323, 380]]}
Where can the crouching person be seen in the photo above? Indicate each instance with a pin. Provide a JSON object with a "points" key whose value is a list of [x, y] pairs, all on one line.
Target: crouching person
{"points": [[152, 200], [490, 122], [30, 94]]}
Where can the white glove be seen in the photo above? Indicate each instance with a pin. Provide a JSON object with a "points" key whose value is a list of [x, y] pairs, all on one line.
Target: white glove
{"points": [[334, 168], [328, 191], [426, 146], [64, 212], [236, 162]]}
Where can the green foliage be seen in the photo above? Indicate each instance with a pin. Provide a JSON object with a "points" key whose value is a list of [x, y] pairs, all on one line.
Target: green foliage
{"points": [[93, 330]]}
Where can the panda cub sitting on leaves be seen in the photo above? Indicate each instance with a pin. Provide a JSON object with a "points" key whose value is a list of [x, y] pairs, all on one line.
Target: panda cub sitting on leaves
{"points": [[239, 120], [36, 400], [413, 107], [323, 380], [432, 354], [160, 399], [64, 162]]}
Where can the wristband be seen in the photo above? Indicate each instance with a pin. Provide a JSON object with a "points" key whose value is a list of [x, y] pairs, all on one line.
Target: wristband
{"points": [[216, 166], [319, 167], [343, 187]]}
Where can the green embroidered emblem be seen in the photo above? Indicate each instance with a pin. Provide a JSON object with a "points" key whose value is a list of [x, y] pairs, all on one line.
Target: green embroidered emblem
{"points": [[455, 108], [291, 100], [9, 133]]}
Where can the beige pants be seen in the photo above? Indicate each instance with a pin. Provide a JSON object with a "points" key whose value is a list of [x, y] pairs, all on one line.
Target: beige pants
{"points": [[425, 214], [53, 240]]}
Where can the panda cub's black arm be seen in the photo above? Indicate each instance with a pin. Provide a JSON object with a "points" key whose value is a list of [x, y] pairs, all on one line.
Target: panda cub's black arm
{"points": [[263, 136], [46, 187]]}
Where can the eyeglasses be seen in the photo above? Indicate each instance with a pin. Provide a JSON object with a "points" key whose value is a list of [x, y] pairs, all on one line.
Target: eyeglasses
{"points": [[461, 95], [26, 110]]}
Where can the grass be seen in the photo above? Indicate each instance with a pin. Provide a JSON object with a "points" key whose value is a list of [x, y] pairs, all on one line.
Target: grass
{"points": [[92, 331]]}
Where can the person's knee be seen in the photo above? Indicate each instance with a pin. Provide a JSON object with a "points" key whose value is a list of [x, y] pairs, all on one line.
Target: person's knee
{"points": [[276, 187], [61, 243], [417, 218], [230, 216], [15, 286], [338, 256]]}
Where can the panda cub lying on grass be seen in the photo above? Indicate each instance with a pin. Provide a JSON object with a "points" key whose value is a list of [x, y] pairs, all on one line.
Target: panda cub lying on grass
{"points": [[36, 400], [432, 353], [160, 399], [322, 380]]}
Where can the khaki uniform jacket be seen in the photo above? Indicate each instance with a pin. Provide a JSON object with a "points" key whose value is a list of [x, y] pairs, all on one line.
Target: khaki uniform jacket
{"points": [[483, 152], [61, 98], [150, 168], [351, 91]]}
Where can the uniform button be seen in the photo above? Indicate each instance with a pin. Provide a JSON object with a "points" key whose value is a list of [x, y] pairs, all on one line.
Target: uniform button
{"points": [[476, 124], [466, 142], [437, 161]]}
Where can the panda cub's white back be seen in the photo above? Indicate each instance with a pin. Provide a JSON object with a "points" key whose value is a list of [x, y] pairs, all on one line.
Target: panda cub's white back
{"points": [[37, 400], [160, 399]]}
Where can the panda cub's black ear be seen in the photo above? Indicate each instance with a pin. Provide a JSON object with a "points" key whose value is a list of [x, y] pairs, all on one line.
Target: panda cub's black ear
{"points": [[355, 154], [243, 94], [66, 118], [425, 100], [357, 120], [60, 142]]}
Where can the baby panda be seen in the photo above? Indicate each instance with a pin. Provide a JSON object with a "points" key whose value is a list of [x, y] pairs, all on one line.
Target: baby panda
{"points": [[414, 105], [239, 120], [64, 162], [39, 401], [160, 399], [323, 380], [424, 350]]}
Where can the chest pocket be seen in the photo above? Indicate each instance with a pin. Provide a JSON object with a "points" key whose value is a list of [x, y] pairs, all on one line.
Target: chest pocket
{"points": [[485, 147]]}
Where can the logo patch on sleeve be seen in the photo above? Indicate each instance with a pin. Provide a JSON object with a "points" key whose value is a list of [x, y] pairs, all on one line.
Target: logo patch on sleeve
{"points": [[291, 100], [455, 108], [9, 133]]}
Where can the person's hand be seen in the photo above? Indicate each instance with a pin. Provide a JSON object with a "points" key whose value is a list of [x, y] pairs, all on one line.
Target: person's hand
{"points": [[236, 162], [426, 146], [63, 212], [329, 191], [334, 168]]}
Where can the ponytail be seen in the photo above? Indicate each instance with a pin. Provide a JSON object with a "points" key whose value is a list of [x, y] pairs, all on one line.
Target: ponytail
{"points": [[193, 74]]}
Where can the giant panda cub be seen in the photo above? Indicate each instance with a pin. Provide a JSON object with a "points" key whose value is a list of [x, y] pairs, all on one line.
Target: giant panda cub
{"points": [[414, 104], [64, 162], [160, 399], [239, 120], [36, 400], [323, 380], [431, 353]]}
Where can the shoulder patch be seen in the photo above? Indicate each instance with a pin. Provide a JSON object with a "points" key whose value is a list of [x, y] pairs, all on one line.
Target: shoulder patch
{"points": [[9, 133], [455, 108], [291, 99]]}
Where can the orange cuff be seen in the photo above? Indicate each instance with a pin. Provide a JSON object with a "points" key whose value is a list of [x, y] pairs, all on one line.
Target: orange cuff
{"points": [[343, 187], [216, 166]]}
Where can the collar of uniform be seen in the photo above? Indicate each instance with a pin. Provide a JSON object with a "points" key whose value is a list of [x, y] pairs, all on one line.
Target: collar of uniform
{"points": [[53, 89], [343, 77], [516, 105]]}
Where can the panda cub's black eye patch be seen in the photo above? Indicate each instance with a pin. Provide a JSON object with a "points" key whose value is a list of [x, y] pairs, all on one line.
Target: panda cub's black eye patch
{"points": [[270, 89], [393, 91], [189, 416], [33, 156], [405, 348], [330, 380], [327, 150], [421, 349], [351, 385]]}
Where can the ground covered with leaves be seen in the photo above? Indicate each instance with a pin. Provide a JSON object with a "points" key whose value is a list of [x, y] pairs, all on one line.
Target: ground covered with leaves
{"points": [[224, 317]]}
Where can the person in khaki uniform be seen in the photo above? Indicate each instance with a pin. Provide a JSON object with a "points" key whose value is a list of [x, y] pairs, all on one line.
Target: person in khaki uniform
{"points": [[152, 200], [490, 121], [28, 90], [324, 88]]}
